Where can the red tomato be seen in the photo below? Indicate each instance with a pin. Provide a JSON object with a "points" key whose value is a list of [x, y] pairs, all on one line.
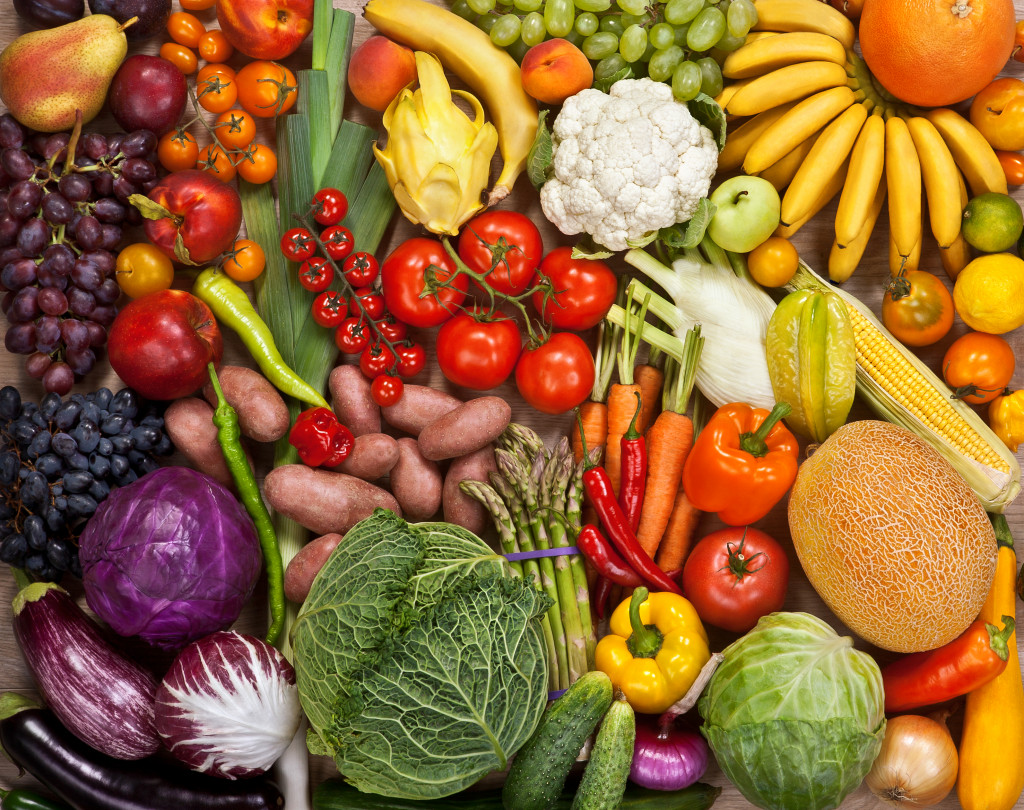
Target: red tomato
{"points": [[1013, 165], [329, 309], [315, 274], [392, 330], [337, 241], [735, 576], [978, 366], [352, 335], [360, 269], [386, 389], [412, 357], [298, 244], [204, 213], [403, 280], [582, 290], [371, 301], [376, 360], [329, 206], [478, 353], [557, 375], [917, 308], [506, 241]]}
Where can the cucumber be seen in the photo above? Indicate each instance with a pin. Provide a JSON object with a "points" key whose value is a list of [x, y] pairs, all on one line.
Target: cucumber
{"points": [[604, 780], [539, 770]]}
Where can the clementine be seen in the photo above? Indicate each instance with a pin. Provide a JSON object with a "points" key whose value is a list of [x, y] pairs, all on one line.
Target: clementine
{"points": [[933, 53]]}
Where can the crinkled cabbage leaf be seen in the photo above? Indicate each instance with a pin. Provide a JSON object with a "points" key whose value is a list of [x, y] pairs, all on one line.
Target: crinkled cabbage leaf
{"points": [[419, 658], [794, 714]]}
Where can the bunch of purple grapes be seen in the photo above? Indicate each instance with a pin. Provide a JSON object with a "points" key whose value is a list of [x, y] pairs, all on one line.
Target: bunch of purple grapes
{"points": [[61, 223]]}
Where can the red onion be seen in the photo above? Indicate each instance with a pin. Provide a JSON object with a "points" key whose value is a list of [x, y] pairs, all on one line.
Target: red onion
{"points": [[666, 757]]}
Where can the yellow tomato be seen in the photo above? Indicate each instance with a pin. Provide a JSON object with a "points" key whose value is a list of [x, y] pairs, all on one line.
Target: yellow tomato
{"points": [[245, 261], [142, 268], [773, 262]]}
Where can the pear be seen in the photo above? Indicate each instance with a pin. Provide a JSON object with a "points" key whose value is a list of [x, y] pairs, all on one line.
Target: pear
{"points": [[45, 76]]}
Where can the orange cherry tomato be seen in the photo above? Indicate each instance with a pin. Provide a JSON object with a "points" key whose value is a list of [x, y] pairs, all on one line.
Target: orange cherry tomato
{"points": [[917, 308], [177, 151], [978, 366], [266, 89], [214, 46], [215, 162], [185, 28], [235, 129], [245, 261], [217, 93], [226, 73], [257, 164], [179, 56], [1013, 166], [197, 5]]}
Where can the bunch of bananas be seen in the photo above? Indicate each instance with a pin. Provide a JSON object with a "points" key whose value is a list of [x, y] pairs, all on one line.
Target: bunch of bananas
{"points": [[806, 115]]}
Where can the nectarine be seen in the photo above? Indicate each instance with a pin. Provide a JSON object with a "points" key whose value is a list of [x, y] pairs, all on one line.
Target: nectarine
{"points": [[555, 69], [378, 71]]}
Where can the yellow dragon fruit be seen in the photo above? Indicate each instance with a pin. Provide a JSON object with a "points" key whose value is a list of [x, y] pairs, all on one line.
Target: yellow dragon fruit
{"points": [[436, 159]]}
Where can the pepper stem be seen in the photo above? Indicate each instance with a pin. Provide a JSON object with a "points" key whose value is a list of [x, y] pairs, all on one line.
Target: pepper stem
{"points": [[754, 443], [631, 432], [999, 640], [645, 640]]}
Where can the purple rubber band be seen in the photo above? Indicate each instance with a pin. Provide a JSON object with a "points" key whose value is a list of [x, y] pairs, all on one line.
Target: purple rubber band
{"points": [[555, 695], [546, 552]]}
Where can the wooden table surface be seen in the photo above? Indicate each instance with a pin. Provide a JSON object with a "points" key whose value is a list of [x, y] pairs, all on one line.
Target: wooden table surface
{"points": [[813, 242]]}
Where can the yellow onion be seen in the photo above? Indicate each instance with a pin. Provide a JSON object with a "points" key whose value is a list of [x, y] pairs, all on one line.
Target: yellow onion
{"points": [[436, 160], [917, 764]]}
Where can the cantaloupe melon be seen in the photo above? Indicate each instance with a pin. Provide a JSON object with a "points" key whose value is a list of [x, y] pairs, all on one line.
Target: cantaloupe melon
{"points": [[891, 537]]}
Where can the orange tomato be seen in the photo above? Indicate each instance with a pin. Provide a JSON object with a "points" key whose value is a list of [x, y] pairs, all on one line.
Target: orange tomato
{"points": [[215, 162], [214, 47], [197, 5], [773, 262], [258, 164], [226, 72], [235, 129], [1013, 166], [185, 28], [978, 366], [179, 56], [217, 93], [177, 151], [266, 89], [245, 261], [917, 308]]}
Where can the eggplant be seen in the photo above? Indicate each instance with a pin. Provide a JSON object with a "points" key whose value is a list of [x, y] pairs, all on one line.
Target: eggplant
{"points": [[88, 780], [104, 698]]}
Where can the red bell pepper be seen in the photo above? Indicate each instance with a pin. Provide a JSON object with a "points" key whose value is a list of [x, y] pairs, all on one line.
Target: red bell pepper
{"points": [[320, 438]]}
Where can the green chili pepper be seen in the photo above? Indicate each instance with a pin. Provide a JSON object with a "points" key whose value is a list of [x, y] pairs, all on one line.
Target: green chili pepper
{"points": [[232, 307], [18, 799], [228, 436]]}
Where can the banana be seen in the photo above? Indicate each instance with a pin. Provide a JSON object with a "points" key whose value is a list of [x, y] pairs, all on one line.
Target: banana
{"points": [[764, 55], [900, 263], [956, 257], [786, 84], [842, 261], [728, 91], [804, 15], [739, 140], [802, 121], [833, 187], [867, 165], [939, 172], [489, 72], [903, 178], [823, 161], [781, 173], [972, 153]]}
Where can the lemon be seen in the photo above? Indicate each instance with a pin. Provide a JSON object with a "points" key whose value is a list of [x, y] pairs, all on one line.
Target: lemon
{"points": [[992, 222], [989, 293]]}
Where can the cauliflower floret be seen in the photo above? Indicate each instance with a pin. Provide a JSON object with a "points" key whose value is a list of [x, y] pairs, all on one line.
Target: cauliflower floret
{"points": [[626, 163]]}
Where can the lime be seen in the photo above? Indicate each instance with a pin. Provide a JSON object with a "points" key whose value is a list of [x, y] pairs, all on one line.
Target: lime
{"points": [[992, 222], [989, 293]]}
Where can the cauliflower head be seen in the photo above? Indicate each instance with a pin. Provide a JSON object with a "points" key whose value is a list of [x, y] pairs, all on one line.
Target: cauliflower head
{"points": [[626, 163]]}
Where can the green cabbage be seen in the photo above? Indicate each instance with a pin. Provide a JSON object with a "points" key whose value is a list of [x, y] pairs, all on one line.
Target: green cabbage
{"points": [[794, 714], [419, 658]]}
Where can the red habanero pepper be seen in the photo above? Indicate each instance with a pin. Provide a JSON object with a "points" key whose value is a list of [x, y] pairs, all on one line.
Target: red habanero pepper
{"points": [[604, 558], [633, 464], [742, 463], [320, 438], [974, 658]]}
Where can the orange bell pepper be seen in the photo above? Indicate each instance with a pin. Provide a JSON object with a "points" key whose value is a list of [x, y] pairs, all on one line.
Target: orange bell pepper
{"points": [[742, 463]]}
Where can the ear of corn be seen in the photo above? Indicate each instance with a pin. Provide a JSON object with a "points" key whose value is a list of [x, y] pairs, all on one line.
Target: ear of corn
{"points": [[903, 390]]}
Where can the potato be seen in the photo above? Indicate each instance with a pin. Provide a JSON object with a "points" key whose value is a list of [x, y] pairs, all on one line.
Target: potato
{"points": [[372, 457], [189, 425], [468, 428], [262, 412], [304, 566], [415, 481], [324, 501], [460, 508], [353, 405], [418, 407]]}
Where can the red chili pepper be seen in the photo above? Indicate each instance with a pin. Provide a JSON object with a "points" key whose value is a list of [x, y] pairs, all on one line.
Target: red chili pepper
{"points": [[320, 438], [601, 594], [608, 564], [977, 656], [634, 471]]}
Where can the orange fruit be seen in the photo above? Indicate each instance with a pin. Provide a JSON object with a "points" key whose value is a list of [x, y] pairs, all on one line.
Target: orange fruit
{"points": [[933, 53]]}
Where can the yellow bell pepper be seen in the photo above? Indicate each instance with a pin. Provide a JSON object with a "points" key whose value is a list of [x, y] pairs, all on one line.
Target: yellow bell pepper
{"points": [[1006, 417], [655, 650]]}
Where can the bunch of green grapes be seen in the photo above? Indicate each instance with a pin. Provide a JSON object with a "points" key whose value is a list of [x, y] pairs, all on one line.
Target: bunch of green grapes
{"points": [[682, 42]]}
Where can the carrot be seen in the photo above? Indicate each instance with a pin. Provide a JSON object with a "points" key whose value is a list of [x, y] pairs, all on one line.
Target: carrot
{"points": [[594, 412], [682, 526], [622, 396], [650, 379], [594, 418]]}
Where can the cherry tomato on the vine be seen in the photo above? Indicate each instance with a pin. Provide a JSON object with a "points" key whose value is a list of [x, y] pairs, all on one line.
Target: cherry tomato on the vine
{"points": [[557, 375], [386, 389], [582, 290], [360, 268], [372, 303], [215, 162], [217, 94], [476, 351], [181, 57], [1013, 166], [376, 359], [329, 308], [978, 366], [352, 335], [245, 261], [207, 72], [392, 329], [235, 129], [197, 5], [315, 274], [404, 278], [506, 241], [185, 28], [213, 46], [177, 151], [337, 241], [917, 308], [411, 358], [257, 164], [266, 89], [329, 206], [298, 244]]}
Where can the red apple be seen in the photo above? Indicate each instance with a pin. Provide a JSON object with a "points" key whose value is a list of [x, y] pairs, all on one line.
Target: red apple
{"points": [[160, 344], [265, 29]]}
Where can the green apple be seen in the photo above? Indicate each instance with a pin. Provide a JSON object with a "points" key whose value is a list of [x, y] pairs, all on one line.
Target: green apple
{"points": [[747, 211]]}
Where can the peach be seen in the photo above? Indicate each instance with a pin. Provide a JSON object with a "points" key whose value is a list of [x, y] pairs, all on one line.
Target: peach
{"points": [[378, 71], [555, 69]]}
